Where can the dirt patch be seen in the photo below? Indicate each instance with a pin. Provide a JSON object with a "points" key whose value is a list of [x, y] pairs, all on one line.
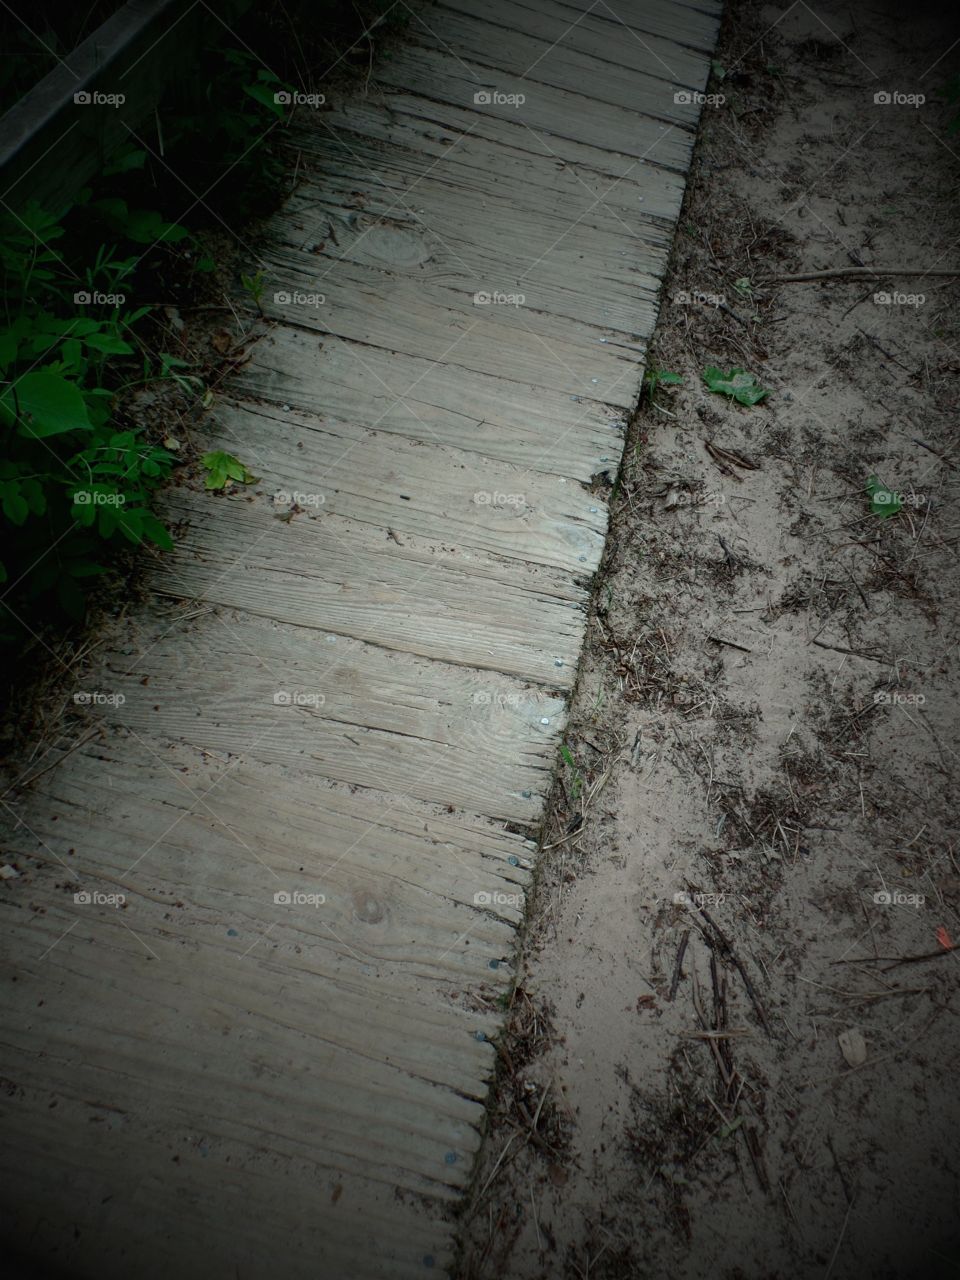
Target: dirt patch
{"points": [[749, 889]]}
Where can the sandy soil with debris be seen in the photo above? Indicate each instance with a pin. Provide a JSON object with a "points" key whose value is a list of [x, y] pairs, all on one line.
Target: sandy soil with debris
{"points": [[732, 1050]]}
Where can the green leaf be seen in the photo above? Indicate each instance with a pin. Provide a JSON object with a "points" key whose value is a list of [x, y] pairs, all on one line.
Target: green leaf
{"points": [[222, 467], [146, 226], [132, 317], [260, 93], [84, 513], [654, 378], [79, 327], [157, 532], [125, 162], [113, 208], [737, 384], [32, 491], [108, 517], [15, 506], [71, 353], [49, 405], [109, 344], [130, 524], [884, 502]]}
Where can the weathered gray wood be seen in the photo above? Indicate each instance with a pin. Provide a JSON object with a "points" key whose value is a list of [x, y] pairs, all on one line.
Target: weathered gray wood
{"points": [[647, 30], [413, 487], [299, 1047], [355, 581], [421, 399], [551, 112], [208, 1078], [618, 177], [359, 713], [546, 50]]}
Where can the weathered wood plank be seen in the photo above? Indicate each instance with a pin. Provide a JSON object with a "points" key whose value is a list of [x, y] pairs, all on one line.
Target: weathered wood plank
{"points": [[463, 148], [544, 50], [344, 710], [179, 1186], [448, 496], [447, 128], [551, 112], [349, 580], [432, 400], [377, 309], [647, 29], [558, 266], [241, 841]]}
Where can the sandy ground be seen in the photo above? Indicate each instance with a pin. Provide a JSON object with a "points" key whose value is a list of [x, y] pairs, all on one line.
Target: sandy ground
{"points": [[732, 1047]]}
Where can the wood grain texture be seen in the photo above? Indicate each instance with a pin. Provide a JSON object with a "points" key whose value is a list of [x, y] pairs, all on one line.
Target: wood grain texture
{"points": [[417, 488], [338, 708], [438, 602], [269, 877]]}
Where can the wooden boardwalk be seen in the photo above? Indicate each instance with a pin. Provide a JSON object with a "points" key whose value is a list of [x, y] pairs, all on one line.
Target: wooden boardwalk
{"points": [[336, 725]]}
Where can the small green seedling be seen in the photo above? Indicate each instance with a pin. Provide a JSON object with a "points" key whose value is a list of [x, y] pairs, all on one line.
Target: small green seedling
{"points": [[254, 285], [884, 502], [727, 1130], [737, 384], [576, 780], [223, 469], [654, 378]]}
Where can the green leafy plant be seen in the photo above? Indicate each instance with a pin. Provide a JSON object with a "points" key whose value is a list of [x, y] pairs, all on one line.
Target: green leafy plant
{"points": [[77, 472], [142, 226], [576, 781], [231, 102], [254, 285], [654, 378], [223, 469], [884, 502], [70, 480], [737, 384]]}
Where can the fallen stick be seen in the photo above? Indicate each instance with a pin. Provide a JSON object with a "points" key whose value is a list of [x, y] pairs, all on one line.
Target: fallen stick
{"points": [[756, 1156], [899, 960], [731, 644], [725, 1075], [681, 951], [728, 950], [717, 1035], [856, 273], [856, 653]]}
